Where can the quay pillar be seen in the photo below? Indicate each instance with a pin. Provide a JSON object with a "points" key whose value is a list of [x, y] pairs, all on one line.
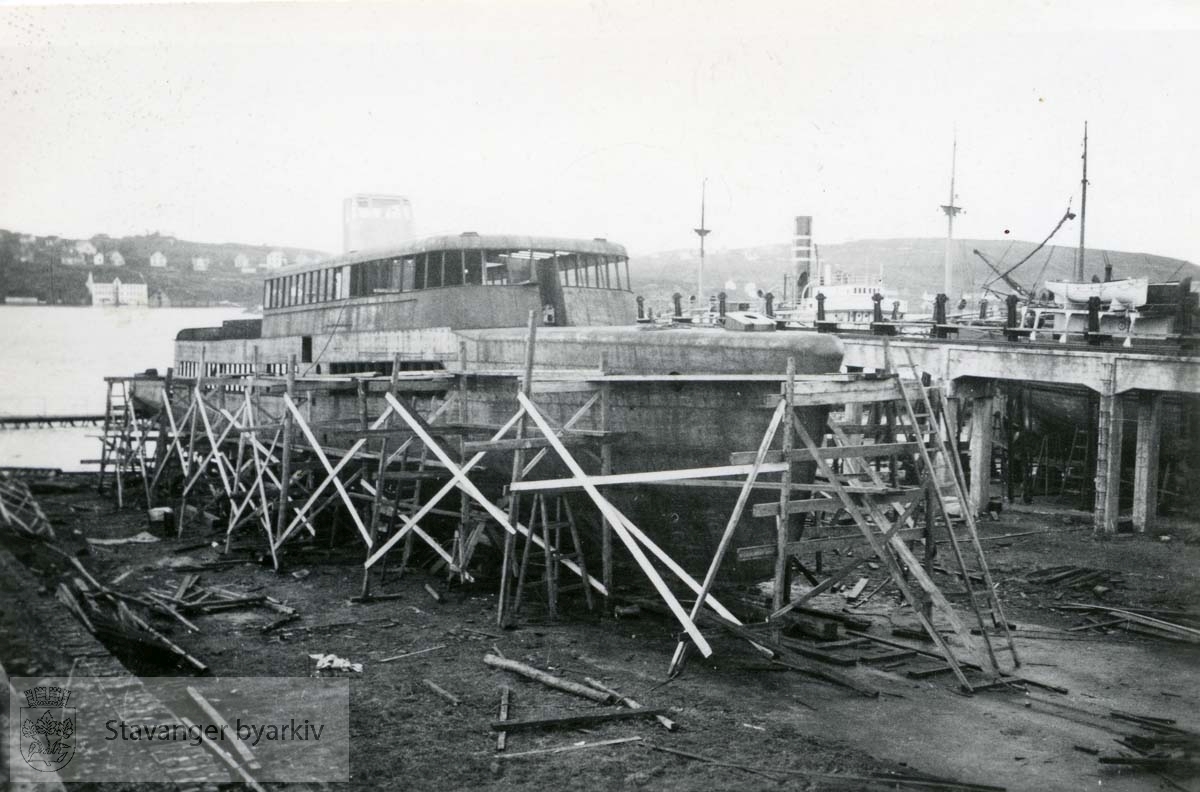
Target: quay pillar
{"points": [[982, 407], [1108, 463], [1145, 475]]}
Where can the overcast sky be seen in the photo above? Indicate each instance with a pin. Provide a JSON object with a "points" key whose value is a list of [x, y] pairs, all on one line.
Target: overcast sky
{"points": [[250, 123]]}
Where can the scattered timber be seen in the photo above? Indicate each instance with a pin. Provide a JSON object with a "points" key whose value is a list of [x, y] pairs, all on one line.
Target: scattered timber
{"points": [[441, 691], [549, 680], [566, 748], [576, 719]]}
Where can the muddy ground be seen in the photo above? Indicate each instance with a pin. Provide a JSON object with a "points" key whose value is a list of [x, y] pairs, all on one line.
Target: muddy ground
{"points": [[734, 708]]}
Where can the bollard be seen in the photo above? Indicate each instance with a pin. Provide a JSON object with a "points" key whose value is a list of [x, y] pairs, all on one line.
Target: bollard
{"points": [[877, 309], [820, 307], [1010, 304]]}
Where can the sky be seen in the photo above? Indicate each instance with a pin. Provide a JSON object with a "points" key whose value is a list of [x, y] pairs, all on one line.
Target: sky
{"points": [[251, 122]]}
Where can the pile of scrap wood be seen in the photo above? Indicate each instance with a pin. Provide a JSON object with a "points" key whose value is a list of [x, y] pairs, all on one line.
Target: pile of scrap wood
{"points": [[1165, 748], [1145, 621], [107, 615], [1075, 577], [20, 511], [622, 708]]}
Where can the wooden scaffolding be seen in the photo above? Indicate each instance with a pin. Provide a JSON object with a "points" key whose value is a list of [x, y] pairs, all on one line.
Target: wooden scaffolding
{"points": [[406, 470]]}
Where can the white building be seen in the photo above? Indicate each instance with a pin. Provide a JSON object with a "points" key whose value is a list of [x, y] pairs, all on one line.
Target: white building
{"points": [[157, 259], [116, 259], [98, 259], [276, 259], [200, 263], [241, 261], [85, 248], [113, 292]]}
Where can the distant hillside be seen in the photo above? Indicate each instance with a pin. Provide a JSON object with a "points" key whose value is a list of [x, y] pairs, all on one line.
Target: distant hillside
{"points": [[911, 266], [55, 269]]}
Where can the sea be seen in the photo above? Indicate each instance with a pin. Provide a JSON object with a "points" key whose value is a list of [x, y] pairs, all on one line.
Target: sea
{"points": [[53, 360]]}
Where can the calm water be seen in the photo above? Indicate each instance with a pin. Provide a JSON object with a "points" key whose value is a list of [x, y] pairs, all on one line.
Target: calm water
{"points": [[54, 360]]}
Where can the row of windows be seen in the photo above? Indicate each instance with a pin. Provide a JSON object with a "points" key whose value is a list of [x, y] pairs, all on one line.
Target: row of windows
{"points": [[190, 368], [438, 269]]}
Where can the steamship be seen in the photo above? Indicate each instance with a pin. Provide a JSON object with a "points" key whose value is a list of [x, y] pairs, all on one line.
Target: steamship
{"points": [[462, 303]]}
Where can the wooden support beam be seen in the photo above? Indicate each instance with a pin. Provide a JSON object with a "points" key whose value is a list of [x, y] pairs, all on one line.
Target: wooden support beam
{"points": [[619, 522], [734, 518], [648, 477], [872, 451], [782, 582], [329, 469], [515, 444]]}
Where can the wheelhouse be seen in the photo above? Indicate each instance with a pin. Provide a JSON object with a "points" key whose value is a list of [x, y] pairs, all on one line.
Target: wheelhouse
{"points": [[463, 281]]}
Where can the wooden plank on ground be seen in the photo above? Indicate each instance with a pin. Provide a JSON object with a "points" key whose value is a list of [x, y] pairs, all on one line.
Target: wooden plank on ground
{"points": [[549, 680], [576, 719]]}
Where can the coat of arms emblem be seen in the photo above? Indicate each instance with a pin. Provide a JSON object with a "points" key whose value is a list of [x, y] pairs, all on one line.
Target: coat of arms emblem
{"points": [[47, 726]]}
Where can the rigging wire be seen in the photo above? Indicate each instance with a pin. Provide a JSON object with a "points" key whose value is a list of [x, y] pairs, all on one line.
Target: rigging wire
{"points": [[1068, 215], [328, 338], [1038, 279]]}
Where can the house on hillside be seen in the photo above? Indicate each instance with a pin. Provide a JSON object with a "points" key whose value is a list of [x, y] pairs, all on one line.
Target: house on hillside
{"points": [[303, 259], [200, 263], [85, 248], [241, 261], [109, 290], [157, 259], [97, 259], [276, 259], [71, 259], [116, 259]]}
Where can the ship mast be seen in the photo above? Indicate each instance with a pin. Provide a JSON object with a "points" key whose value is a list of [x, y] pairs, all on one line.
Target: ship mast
{"points": [[701, 232], [951, 210], [1082, 210]]}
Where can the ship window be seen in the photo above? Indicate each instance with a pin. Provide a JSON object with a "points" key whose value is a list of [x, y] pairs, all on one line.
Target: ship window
{"points": [[495, 268], [473, 267], [306, 349], [420, 266], [455, 263], [520, 267], [434, 277], [408, 272]]}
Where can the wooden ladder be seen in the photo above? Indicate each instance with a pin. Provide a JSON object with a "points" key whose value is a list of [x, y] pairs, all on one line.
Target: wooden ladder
{"points": [[943, 467], [551, 521], [122, 441], [1073, 471]]}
